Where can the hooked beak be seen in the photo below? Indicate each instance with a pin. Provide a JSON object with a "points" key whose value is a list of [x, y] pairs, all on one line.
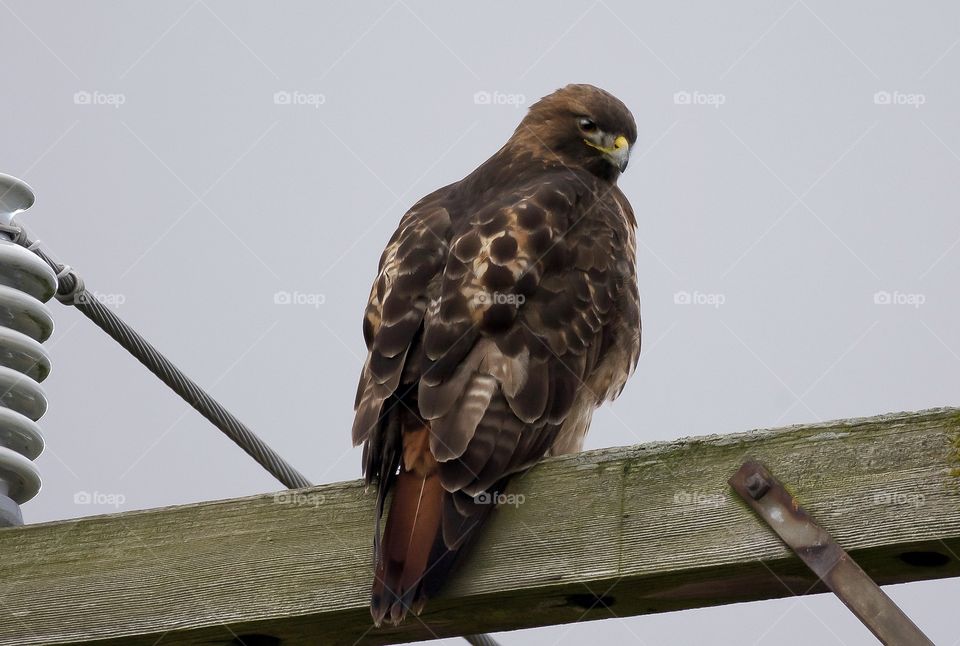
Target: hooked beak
{"points": [[619, 155]]}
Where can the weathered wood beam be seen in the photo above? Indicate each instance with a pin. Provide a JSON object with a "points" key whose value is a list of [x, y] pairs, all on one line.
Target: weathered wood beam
{"points": [[614, 532]]}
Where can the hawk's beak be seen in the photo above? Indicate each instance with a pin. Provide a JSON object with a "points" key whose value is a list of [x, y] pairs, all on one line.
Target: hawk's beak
{"points": [[619, 155]]}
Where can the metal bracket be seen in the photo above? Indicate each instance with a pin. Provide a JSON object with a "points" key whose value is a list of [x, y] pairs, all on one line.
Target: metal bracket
{"points": [[824, 556]]}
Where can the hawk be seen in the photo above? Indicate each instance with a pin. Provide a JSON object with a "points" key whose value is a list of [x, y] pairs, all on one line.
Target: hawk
{"points": [[505, 310]]}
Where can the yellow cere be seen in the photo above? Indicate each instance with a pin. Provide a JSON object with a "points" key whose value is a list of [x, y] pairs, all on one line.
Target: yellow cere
{"points": [[618, 143]]}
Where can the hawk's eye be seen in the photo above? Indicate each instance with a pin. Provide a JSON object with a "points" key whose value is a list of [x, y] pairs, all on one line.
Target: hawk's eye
{"points": [[587, 125]]}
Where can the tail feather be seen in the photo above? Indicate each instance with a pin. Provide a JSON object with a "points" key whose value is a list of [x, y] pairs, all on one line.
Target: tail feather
{"points": [[412, 527], [462, 517], [427, 533]]}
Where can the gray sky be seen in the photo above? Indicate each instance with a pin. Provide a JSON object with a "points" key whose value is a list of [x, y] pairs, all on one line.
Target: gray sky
{"points": [[195, 159]]}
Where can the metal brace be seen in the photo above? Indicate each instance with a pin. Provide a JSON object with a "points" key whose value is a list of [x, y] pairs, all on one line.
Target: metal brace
{"points": [[824, 556]]}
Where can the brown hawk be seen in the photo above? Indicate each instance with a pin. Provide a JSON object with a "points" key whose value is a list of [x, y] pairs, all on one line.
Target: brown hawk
{"points": [[504, 312]]}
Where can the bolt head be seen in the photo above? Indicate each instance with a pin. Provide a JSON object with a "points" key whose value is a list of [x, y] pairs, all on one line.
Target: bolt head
{"points": [[757, 486]]}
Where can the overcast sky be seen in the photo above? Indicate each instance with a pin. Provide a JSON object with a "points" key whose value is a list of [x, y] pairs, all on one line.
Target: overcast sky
{"points": [[202, 163]]}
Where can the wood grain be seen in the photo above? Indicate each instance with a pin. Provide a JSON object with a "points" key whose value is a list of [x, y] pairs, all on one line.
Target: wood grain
{"points": [[613, 532]]}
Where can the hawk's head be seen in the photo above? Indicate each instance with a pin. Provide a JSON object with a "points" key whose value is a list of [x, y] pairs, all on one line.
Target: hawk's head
{"points": [[580, 125]]}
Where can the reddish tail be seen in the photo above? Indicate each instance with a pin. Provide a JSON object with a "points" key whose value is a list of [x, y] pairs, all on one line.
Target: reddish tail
{"points": [[414, 527], [428, 530]]}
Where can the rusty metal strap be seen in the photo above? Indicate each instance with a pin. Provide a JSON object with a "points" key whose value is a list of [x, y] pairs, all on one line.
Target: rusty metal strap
{"points": [[824, 556]]}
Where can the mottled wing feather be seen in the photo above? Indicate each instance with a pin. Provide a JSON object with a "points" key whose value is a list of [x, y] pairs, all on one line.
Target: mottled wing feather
{"points": [[530, 284], [477, 373], [398, 301], [498, 323]]}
